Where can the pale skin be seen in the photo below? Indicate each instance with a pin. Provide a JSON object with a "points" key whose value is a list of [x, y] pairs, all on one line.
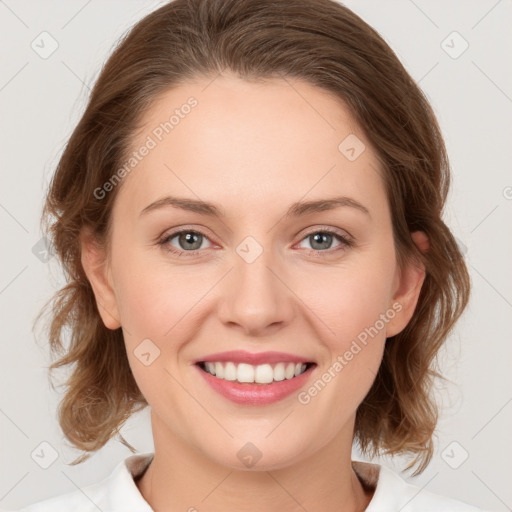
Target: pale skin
{"points": [[252, 149]]}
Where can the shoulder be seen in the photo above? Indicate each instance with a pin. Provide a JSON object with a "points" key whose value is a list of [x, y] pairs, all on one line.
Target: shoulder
{"points": [[392, 492], [115, 493]]}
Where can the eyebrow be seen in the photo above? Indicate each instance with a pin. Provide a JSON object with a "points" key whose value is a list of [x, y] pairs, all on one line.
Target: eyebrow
{"points": [[297, 209]]}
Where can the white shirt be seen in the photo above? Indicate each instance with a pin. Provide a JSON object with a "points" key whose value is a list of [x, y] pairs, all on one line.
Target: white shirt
{"points": [[119, 493]]}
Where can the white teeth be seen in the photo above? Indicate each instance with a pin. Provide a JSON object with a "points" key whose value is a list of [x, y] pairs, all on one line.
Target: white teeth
{"points": [[289, 372], [210, 367], [263, 374], [219, 370], [245, 373], [279, 371], [229, 371], [260, 374]]}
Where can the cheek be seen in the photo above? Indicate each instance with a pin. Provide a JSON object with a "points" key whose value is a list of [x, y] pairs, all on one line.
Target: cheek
{"points": [[349, 299], [351, 309], [151, 308], [143, 299], [153, 297], [350, 327]]}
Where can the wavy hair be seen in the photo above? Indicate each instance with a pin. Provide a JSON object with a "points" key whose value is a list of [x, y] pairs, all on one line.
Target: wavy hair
{"points": [[325, 44]]}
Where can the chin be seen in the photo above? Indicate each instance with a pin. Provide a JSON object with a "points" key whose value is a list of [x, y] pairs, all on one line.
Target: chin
{"points": [[257, 455]]}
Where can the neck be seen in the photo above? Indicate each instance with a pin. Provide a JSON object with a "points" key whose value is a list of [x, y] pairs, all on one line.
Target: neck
{"points": [[182, 478]]}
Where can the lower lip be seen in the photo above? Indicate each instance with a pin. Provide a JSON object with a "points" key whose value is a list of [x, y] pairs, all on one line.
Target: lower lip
{"points": [[256, 394]]}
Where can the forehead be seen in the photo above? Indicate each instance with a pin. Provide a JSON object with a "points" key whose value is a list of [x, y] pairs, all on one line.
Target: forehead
{"points": [[250, 145]]}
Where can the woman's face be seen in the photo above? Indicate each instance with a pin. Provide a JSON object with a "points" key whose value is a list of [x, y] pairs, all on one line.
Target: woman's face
{"points": [[259, 279]]}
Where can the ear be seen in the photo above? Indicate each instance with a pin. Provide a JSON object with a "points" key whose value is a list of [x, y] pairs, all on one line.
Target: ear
{"points": [[407, 287], [96, 267]]}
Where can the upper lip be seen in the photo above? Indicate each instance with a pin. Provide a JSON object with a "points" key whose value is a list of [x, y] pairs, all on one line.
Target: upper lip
{"points": [[242, 356]]}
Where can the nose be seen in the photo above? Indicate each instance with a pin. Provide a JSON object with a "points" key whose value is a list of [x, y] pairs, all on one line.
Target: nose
{"points": [[255, 297]]}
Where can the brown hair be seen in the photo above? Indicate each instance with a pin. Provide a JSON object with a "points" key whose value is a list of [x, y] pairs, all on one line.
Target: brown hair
{"points": [[325, 44]]}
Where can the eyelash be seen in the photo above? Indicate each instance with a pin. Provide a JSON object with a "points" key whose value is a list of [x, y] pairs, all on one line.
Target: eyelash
{"points": [[345, 241]]}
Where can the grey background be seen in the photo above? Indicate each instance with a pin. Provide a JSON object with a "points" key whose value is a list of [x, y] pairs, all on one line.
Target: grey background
{"points": [[41, 99]]}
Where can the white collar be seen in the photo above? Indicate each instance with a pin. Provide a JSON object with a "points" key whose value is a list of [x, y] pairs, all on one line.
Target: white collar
{"points": [[118, 492]]}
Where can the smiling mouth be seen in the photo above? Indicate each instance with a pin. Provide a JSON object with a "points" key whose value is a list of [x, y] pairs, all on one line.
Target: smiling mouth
{"points": [[244, 373]]}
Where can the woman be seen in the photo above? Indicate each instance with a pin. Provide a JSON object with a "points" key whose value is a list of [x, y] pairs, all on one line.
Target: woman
{"points": [[249, 217]]}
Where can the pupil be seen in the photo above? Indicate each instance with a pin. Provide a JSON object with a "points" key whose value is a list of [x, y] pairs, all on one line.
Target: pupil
{"points": [[189, 239], [320, 238]]}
